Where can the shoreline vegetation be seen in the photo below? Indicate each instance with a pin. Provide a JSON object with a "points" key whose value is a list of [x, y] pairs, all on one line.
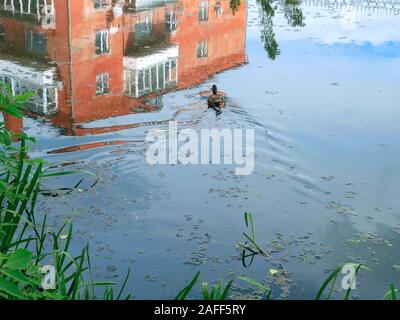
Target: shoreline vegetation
{"points": [[29, 249]]}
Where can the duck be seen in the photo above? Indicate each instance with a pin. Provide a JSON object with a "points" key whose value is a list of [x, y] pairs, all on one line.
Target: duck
{"points": [[216, 100]]}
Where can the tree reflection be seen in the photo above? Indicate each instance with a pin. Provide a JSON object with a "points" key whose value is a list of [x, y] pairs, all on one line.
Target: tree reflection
{"points": [[293, 14], [266, 12], [234, 5]]}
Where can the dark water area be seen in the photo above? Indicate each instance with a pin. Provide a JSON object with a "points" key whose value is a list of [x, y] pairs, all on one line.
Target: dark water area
{"points": [[318, 81]]}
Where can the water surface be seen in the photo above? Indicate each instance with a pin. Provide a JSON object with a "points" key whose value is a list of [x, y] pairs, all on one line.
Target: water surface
{"points": [[318, 81]]}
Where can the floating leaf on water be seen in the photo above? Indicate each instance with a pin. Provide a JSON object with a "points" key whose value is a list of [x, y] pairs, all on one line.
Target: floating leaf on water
{"points": [[273, 271]]}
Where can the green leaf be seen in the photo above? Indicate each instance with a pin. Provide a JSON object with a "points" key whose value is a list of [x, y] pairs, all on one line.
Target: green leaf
{"points": [[25, 96], [10, 288], [123, 284], [226, 290], [19, 276], [331, 279], [393, 292], [19, 260], [185, 291], [14, 111], [254, 283], [204, 290]]}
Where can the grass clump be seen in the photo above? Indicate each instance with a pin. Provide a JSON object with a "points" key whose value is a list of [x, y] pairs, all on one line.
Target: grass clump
{"points": [[30, 254]]}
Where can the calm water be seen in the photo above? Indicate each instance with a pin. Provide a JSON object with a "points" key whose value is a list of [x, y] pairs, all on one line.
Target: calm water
{"points": [[318, 81]]}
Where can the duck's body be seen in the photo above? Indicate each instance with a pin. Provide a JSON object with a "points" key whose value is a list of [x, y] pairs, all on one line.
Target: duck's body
{"points": [[216, 100]]}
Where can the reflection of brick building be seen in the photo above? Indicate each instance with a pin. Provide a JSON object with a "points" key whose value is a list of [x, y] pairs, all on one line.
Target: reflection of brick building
{"points": [[98, 60], [211, 39]]}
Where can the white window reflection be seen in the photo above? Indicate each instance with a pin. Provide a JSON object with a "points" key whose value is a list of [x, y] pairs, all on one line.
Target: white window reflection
{"points": [[157, 77], [43, 102]]}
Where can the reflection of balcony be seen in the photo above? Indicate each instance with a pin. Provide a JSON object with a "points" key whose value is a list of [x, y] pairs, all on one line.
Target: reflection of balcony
{"points": [[151, 73], [41, 11], [39, 79], [389, 7]]}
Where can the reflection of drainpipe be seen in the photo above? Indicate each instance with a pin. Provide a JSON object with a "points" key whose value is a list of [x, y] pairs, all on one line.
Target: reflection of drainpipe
{"points": [[70, 67], [245, 30]]}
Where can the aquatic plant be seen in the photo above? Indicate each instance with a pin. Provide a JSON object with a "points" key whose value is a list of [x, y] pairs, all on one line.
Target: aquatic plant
{"points": [[182, 295], [250, 248], [392, 293], [332, 277], [256, 284], [217, 292]]}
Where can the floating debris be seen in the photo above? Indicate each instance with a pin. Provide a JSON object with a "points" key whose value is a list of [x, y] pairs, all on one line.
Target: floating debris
{"points": [[150, 277], [369, 237], [111, 268], [396, 267], [341, 208], [273, 272]]}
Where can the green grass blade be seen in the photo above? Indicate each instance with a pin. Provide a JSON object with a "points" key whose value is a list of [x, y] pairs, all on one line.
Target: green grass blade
{"points": [[225, 293], [332, 276], [185, 291], [204, 290]]}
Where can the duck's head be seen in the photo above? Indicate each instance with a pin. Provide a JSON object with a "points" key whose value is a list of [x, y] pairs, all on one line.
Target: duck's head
{"points": [[214, 89]]}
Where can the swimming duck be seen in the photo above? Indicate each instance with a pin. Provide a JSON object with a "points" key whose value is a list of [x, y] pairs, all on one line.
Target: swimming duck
{"points": [[216, 100]]}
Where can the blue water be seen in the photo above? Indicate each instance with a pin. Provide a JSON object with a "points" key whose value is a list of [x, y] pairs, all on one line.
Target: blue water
{"points": [[325, 189]]}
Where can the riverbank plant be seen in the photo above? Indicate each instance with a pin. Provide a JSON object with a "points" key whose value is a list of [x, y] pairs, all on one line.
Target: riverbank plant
{"points": [[30, 251]]}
